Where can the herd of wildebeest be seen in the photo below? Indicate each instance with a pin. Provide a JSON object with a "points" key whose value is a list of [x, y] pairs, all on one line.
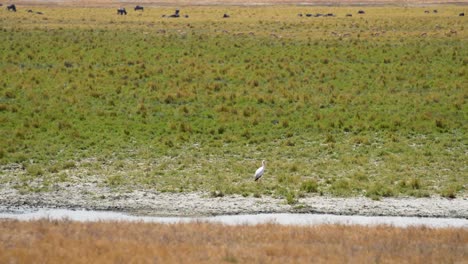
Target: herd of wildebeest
{"points": [[176, 14]]}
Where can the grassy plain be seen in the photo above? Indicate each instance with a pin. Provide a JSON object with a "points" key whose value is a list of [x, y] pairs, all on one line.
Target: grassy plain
{"points": [[372, 104], [120, 242]]}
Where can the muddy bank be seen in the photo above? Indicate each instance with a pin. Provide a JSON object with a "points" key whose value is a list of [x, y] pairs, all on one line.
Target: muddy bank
{"points": [[152, 203]]}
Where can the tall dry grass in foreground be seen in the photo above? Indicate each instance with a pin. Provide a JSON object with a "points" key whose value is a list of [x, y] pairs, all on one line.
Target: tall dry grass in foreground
{"points": [[122, 242]]}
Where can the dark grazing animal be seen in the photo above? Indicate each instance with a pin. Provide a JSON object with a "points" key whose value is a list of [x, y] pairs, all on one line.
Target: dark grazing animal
{"points": [[11, 8], [361, 12], [226, 16], [176, 14], [461, 14], [37, 12], [138, 7], [121, 11]]}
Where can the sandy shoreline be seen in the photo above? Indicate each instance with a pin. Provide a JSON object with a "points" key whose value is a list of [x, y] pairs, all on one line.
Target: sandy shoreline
{"points": [[149, 203], [93, 194]]}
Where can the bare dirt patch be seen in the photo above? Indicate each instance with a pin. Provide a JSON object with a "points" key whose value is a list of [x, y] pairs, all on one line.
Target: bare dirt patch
{"points": [[143, 202]]}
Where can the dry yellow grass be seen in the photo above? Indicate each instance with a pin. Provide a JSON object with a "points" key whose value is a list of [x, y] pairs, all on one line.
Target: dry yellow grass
{"points": [[122, 242], [236, 2]]}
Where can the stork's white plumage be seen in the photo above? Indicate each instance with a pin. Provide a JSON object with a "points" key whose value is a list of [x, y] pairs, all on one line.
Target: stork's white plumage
{"points": [[259, 172]]}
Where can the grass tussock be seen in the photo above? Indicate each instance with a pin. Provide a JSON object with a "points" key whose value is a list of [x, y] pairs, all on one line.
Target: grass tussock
{"points": [[74, 242]]}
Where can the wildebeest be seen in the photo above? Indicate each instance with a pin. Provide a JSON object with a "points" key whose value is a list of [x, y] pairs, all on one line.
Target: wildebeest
{"points": [[435, 11], [226, 15], [121, 11], [138, 7], [11, 8], [176, 14], [349, 15], [38, 12], [361, 12], [426, 11], [461, 14], [308, 15]]}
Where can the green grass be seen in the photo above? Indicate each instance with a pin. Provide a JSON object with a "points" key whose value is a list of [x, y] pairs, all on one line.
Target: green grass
{"points": [[367, 105]]}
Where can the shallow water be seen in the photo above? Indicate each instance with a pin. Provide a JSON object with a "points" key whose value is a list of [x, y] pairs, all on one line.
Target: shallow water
{"points": [[283, 219]]}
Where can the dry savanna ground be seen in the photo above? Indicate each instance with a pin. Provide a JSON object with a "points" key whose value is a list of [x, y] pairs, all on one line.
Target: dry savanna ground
{"points": [[123, 242], [235, 2]]}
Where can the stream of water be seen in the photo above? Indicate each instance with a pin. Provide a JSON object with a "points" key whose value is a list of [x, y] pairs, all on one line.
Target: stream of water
{"points": [[283, 219]]}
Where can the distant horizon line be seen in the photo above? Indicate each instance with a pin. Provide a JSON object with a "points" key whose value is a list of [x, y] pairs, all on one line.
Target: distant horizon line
{"points": [[245, 3]]}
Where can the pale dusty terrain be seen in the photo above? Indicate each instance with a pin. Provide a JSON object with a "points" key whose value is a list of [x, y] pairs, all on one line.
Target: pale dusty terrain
{"points": [[91, 193], [143, 202], [90, 3]]}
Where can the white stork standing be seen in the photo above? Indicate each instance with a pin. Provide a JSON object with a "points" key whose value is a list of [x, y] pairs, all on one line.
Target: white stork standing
{"points": [[259, 172]]}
